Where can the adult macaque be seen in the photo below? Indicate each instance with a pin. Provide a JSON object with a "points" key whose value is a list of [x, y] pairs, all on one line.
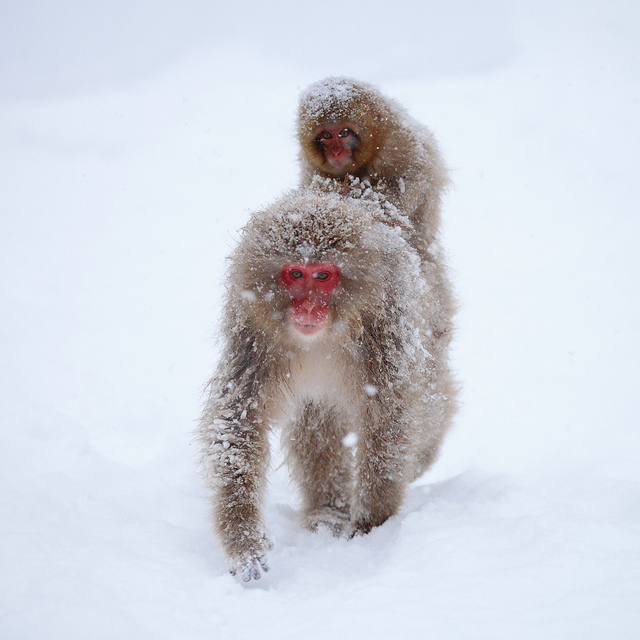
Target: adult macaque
{"points": [[350, 132], [330, 330]]}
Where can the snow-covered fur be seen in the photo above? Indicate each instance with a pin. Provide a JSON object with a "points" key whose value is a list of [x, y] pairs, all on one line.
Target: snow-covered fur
{"points": [[364, 404]]}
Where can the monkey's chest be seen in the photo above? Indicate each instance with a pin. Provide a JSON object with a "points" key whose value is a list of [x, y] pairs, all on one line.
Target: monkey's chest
{"points": [[319, 372]]}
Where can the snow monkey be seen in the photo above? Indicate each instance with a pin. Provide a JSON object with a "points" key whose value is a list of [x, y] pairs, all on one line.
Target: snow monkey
{"points": [[331, 330], [350, 132]]}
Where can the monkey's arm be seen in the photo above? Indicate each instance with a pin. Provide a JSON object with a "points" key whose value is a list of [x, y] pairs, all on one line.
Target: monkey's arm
{"points": [[236, 454]]}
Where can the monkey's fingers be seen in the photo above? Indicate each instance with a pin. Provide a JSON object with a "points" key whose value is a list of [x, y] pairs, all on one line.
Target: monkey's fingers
{"points": [[331, 518], [251, 568]]}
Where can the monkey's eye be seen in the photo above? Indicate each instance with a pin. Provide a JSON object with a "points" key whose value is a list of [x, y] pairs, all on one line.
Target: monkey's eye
{"points": [[297, 274], [345, 133], [325, 135], [323, 275]]}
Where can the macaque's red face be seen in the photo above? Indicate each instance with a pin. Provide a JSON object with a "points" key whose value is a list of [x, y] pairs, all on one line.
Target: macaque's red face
{"points": [[338, 142], [310, 287]]}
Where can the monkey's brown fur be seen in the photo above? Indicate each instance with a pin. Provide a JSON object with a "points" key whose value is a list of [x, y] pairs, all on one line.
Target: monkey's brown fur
{"points": [[378, 372]]}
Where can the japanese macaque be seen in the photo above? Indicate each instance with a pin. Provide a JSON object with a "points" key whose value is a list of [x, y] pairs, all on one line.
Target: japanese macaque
{"points": [[332, 331], [349, 132]]}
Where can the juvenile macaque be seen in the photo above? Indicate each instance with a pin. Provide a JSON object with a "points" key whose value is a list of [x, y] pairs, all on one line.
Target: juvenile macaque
{"points": [[350, 132], [332, 331]]}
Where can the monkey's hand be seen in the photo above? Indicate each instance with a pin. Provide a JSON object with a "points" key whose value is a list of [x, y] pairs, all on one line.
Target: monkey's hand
{"points": [[249, 569], [251, 565]]}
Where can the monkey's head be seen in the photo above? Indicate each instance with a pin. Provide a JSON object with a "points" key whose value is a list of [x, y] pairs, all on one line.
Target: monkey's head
{"points": [[314, 264], [339, 126]]}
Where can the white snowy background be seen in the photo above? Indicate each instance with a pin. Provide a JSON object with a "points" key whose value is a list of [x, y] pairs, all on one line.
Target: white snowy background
{"points": [[135, 140]]}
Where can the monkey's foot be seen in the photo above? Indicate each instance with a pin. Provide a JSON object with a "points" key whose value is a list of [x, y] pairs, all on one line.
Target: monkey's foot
{"points": [[334, 519], [363, 525]]}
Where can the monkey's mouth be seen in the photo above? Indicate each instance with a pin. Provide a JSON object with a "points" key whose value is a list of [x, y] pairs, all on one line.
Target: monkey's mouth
{"points": [[339, 160], [309, 317], [307, 329]]}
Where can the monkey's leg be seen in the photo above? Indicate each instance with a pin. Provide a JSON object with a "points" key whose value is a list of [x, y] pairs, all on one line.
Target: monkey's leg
{"points": [[381, 471], [321, 464], [239, 455]]}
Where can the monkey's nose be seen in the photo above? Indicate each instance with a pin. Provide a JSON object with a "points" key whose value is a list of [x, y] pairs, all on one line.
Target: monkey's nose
{"points": [[308, 305]]}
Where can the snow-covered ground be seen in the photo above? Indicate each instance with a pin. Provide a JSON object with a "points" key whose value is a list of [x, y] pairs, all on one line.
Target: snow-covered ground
{"points": [[136, 138]]}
